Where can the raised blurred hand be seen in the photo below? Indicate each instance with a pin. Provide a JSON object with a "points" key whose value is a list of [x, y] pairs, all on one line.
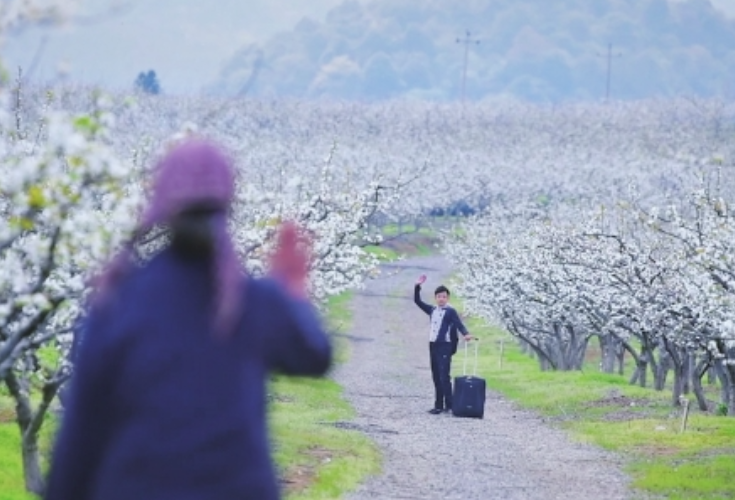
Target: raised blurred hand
{"points": [[289, 263]]}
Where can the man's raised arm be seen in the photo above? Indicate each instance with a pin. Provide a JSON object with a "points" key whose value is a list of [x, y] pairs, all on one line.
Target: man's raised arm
{"points": [[417, 296]]}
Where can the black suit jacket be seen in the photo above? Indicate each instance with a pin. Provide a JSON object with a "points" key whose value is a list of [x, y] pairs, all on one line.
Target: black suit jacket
{"points": [[451, 323]]}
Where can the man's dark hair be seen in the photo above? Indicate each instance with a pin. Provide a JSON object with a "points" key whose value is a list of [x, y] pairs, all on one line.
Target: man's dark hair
{"points": [[440, 289]]}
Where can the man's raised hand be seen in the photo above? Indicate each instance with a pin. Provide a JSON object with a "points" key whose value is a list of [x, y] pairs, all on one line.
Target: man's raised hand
{"points": [[421, 279]]}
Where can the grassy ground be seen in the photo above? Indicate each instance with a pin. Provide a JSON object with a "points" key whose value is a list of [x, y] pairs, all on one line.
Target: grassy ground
{"points": [[11, 467], [638, 423], [406, 240], [317, 458], [384, 254], [396, 229]]}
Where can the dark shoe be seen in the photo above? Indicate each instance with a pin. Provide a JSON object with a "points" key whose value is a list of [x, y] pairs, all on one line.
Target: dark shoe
{"points": [[435, 411]]}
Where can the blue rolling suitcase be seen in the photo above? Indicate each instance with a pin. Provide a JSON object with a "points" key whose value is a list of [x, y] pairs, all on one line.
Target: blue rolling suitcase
{"points": [[469, 391]]}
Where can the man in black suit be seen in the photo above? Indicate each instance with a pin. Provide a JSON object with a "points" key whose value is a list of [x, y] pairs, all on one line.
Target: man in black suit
{"points": [[443, 339]]}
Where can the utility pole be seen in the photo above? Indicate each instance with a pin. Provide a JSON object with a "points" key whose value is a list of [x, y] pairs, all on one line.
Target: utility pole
{"points": [[609, 56], [467, 41]]}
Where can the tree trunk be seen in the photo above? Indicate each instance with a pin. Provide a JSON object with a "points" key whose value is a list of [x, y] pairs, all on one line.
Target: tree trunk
{"points": [[543, 357], [544, 364], [641, 361], [29, 423], [554, 347], [678, 359], [697, 375], [641, 371], [729, 368], [678, 389], [653, 362], [620, 358], [725, 390], [570, 353], [581, 354], [29, 441], [711, 376], [636, 375], [662, 371], [34, 479], [690, 362], [607, 354], [526, 348], [729, 371]]}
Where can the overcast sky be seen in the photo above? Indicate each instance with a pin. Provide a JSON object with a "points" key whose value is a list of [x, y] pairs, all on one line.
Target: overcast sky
{"points": [[184, 41]]}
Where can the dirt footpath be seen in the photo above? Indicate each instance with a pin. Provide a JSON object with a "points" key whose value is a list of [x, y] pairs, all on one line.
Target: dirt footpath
{"points": [[511, 454]]}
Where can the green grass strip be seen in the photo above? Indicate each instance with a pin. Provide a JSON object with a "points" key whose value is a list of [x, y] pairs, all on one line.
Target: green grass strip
{"points": [[603, 409], [317, 459], [396, 229], [384, 254], [11, 467], [12, 486]]}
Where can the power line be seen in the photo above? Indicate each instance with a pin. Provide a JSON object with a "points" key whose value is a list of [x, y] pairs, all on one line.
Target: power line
{"points": [[467, 41], [609, 56]]}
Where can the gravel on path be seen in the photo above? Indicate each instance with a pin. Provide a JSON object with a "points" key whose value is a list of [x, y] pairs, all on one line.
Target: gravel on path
{"points": [[510, 454]]}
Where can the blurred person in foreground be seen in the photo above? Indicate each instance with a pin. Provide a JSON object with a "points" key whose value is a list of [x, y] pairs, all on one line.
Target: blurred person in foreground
{"points": [[167, 400]]}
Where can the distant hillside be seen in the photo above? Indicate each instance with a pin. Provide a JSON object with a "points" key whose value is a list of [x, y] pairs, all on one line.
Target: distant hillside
{"points": [[538, 50]]}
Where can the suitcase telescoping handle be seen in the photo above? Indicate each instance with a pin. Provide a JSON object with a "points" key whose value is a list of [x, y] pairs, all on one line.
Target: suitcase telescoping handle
{"points": [[466, 348]]}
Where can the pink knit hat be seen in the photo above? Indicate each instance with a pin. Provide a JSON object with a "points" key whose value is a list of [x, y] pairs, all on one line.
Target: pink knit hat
{"points": [[192, 173]]}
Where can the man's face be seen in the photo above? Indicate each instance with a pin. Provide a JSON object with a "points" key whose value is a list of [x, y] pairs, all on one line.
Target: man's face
{"points": [[441, 299]]}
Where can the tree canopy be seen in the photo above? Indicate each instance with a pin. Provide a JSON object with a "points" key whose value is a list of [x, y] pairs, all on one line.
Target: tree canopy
{"points": [[529, 49], [147, 81]]}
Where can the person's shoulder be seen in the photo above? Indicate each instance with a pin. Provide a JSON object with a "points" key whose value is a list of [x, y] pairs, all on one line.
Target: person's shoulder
{"points": [[267, 295], [265, 287], [139, 276], [139, 282]]}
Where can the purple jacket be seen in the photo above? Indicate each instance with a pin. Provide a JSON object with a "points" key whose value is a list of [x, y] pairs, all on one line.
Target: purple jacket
{"points": [[162, 408]]}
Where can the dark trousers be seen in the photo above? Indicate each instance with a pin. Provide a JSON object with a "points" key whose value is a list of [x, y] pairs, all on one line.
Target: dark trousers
{"points": [[441, 365]]}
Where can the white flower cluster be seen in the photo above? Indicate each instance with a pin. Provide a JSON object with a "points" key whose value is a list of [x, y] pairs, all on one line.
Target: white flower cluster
{"points": [[554, 282], [653, 274], [69, 201], [65, 204]]}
